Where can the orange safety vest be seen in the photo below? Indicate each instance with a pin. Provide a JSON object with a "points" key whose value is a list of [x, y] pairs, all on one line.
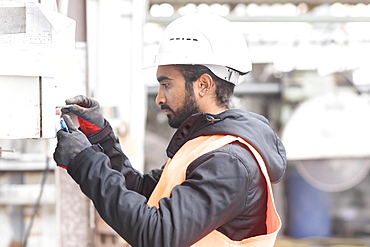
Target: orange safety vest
{"points": [[174, 174]]}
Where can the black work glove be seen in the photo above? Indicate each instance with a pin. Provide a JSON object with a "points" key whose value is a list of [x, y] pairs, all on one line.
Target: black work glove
{"points": [[69, 144], [88, 113]]}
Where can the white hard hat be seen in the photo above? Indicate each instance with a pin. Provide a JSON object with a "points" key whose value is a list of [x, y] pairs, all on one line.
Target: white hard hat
{"points": [[205, 39]]}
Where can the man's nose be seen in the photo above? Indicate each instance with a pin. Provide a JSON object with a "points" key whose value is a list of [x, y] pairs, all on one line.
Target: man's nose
{"points": [[160, 99]]}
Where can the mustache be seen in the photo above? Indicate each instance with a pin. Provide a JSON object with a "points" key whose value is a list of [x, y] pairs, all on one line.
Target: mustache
{"points": [[166, 107]]}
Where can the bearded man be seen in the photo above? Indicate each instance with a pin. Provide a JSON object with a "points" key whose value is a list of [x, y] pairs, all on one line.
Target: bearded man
{"points": [[215, 189]]}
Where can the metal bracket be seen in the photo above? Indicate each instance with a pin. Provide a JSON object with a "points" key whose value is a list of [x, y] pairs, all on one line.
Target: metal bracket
{"points": [[6, 150]]}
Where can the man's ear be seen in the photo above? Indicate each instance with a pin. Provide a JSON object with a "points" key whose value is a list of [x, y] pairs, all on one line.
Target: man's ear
{"points": [[204, 84]]}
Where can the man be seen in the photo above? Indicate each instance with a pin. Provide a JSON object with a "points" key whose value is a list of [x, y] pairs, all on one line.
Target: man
{"points": [[214, 189]]}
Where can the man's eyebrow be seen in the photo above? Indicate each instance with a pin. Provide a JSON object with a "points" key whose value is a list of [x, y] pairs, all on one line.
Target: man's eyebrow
{"points": [[163, 78]]}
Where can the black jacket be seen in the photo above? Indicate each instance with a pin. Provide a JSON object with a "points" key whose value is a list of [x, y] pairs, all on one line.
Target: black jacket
{"points": [[224, 189]]}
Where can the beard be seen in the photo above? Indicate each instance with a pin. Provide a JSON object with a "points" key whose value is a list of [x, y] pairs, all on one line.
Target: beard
{"points": [[182, 114]]}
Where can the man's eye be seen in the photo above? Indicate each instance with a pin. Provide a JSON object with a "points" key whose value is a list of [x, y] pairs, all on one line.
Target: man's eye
{"points": [[165, 84]]}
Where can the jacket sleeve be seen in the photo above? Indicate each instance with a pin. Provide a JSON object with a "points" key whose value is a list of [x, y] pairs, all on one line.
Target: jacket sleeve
{"points": [[143, 184], [213, 194]]}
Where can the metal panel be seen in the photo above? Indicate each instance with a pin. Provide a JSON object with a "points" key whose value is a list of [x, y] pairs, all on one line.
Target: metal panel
{"points": [[20, 100], [48, 114]]}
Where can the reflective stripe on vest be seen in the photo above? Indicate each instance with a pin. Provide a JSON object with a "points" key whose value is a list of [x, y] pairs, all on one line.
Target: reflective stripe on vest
{"points": [[174, 174]]}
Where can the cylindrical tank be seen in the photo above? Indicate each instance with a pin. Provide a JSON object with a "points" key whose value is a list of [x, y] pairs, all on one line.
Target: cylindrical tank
{"points": [[308, 213]]}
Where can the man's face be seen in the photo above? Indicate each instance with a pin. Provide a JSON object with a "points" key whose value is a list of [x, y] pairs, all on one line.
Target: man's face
{"points": [[175, 100]]}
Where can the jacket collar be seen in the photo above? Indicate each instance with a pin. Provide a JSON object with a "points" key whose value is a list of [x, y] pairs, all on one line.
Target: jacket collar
{"points": [[189, 130]]}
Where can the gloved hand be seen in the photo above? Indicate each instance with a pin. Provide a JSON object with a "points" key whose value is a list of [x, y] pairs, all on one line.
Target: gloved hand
{"points": [[88, 112], [69, 144]]}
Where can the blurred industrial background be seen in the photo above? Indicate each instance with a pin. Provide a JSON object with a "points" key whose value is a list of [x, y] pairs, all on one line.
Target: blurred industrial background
{"points": [[310, 78]]}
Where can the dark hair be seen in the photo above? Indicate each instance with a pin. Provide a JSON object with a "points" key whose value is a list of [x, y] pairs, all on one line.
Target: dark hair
{"points": [[191, 73]]}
